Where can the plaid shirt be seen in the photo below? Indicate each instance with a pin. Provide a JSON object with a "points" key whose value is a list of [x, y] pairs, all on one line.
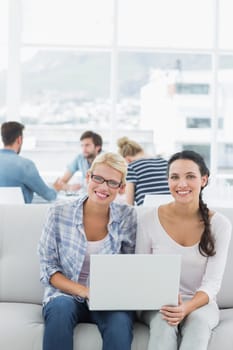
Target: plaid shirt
{"points": [[62, 246]]}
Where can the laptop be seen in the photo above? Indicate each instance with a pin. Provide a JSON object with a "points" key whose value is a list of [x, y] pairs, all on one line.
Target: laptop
{"points": [[133, 281]]}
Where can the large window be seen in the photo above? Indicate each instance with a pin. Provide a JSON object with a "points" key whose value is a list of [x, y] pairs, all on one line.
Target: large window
{"points": [[63, 87], [3, 56], [225, 24], [147, 67], [3, 22], [166, 24], [225, 108], [150, 90], [67, 22]]}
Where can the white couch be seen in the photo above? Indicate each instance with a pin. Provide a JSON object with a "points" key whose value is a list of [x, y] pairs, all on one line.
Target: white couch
{"points": [[21, 322]]}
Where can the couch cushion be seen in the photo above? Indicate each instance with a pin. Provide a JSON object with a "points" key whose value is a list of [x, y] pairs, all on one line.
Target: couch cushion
{"points": [[225, 296], [21, 328], [20, 229], [87, 337], [222, 336]]}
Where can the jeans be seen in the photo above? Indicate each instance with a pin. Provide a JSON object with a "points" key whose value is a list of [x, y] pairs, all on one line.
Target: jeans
{"points": [[193, 333], [63, 313]]}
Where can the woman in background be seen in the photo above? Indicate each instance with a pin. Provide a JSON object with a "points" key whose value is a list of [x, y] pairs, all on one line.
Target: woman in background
{"points": [[201, 236], [146, 174], [93, 224]]}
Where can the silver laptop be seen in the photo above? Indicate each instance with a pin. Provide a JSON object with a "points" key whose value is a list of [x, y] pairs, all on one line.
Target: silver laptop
{"points": [[133, 281]]}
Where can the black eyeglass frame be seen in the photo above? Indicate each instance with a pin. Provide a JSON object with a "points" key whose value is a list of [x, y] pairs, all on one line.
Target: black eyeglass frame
{"points": [[110, 183]]}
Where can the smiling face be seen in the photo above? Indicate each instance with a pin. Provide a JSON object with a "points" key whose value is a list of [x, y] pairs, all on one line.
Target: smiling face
{"points": [[102, 193], [185, 180]]}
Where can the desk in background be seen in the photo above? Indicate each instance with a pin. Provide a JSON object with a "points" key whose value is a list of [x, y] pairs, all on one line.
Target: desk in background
{"points": [[61, 196]]}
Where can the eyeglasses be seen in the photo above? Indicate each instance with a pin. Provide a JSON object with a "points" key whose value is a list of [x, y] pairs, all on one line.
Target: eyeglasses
{"points": [[100, 180]]}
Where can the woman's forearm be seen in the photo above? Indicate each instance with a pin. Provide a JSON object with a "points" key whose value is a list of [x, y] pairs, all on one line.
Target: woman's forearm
{"points": [[59, 281]]}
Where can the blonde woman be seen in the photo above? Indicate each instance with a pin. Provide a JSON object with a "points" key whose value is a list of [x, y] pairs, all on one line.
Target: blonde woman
{"points": [[146, 174], [93, 224]]}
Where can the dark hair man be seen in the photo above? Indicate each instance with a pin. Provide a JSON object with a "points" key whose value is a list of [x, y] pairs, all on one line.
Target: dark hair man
{"points": [[91, 145], [17, 171]]}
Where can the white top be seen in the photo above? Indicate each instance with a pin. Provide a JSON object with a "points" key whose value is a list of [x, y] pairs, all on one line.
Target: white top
{"points": [[198, 273], [93, 247]]}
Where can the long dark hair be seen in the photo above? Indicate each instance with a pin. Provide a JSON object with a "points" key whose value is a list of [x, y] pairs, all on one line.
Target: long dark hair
{"points": [[207, 242]]}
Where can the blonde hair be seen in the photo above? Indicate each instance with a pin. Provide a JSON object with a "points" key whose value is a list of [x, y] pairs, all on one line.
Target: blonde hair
{"points": [[113, 160], [127, 147]]}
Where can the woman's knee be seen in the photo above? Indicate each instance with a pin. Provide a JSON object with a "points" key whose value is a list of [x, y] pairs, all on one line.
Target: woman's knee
{"points": [[158, 326], [206, 317], [60, 310], [120, 330], [121, 320], [153, 319], [115, 323]]}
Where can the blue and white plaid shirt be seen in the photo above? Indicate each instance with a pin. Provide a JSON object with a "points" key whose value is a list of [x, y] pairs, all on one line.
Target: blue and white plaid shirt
{"points": [[62, 246]]}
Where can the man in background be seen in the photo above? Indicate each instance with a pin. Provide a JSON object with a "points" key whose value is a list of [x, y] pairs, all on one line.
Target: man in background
{"points": [[17, 171], [91, 145]]}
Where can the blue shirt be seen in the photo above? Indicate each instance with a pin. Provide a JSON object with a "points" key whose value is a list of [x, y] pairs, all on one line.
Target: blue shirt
{"points": [[16, 171], [63, 244], [79, 163]]}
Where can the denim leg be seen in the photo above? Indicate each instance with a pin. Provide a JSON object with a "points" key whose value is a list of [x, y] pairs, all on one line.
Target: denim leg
{"points": [[197, 326], [116, 328], [61, 315], [162, 335]]}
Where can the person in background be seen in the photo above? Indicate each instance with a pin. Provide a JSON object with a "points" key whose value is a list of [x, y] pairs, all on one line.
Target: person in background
{"points": [[91, 145], [146, 174], [92, 224], [201, 236], [16, 171]]}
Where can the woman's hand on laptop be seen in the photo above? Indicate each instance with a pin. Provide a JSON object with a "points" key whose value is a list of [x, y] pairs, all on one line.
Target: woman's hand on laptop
{"points": [[174, 314], [83, 291]]}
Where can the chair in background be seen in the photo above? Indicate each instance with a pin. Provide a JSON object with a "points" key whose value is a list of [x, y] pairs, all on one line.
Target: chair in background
{"points": [[157, 199], [218, 195], [11, 195]]}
